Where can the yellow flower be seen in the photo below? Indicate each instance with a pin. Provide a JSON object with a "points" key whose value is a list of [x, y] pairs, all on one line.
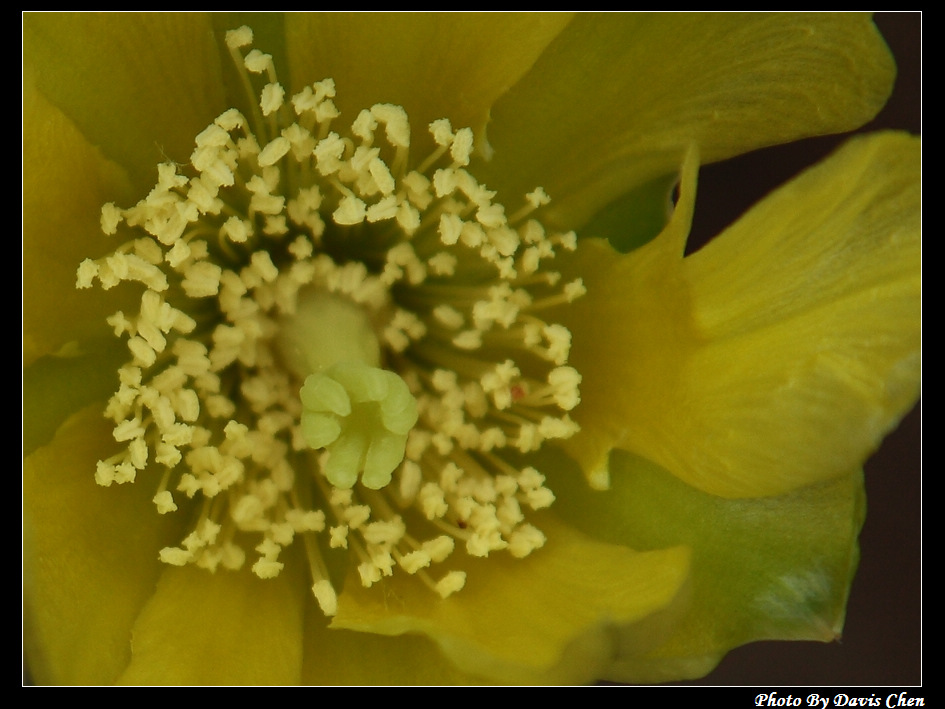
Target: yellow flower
{"points": [[727, 399]]}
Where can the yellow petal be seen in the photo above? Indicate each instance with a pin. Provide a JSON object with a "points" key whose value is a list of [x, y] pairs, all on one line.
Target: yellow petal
{"points": [[437, 65], [621, 96], [780, 354], [344, 657], [556, 616], [140, 86], [89, 557], [223, 628], [65, 183], [630, 332], [827, 345]]}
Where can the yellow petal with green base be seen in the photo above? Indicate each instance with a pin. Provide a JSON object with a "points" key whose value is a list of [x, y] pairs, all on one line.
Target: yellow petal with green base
{"points": [[621, 96], [67, 344], [780, 354], [89, 557], [777, 567], [553, 617], [65, 182]]}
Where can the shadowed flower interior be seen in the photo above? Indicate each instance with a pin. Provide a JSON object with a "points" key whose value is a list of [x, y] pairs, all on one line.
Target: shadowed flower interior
{"points": [[337, 342]]}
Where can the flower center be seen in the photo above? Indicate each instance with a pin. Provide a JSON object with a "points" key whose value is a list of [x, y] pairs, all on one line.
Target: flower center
{"points": [[337, 343]]}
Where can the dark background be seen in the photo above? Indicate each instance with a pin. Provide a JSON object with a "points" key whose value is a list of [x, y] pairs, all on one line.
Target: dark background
{"points": [[882, 640]]}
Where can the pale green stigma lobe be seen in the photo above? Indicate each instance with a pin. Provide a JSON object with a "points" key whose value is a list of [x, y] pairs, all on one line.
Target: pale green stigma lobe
{"points": [[362, 416]]}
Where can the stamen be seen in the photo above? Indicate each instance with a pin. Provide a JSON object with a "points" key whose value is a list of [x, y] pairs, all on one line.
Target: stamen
{"points": [[336, 346]]}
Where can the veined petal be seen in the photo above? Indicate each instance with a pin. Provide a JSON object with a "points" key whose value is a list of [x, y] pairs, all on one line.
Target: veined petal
{"points": [[621, 96], [437, 65], [550, 617], [770, 568], [223, 628], [89, 557], [65, 182], [798, 347], [816, 360], [140, 86]]}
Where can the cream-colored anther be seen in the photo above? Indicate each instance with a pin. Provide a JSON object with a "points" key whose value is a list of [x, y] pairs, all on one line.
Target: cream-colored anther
{"points": [[241, 37]]}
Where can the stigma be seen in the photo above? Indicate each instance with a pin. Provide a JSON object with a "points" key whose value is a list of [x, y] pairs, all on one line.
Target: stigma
{"points": [[338, 343]]}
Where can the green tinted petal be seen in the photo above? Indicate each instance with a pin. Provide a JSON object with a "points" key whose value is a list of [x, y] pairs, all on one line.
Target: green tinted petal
{"points": [[140, 86], [436, 65], [551, 617], [223, 628], [771, 568], [615, 99], [89, 557], [635, 218], [777, 356], [65, 183], [56, 387]]}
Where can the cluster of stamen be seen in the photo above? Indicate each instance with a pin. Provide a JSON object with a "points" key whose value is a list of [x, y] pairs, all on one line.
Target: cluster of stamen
{"points": [[280, 211]]}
